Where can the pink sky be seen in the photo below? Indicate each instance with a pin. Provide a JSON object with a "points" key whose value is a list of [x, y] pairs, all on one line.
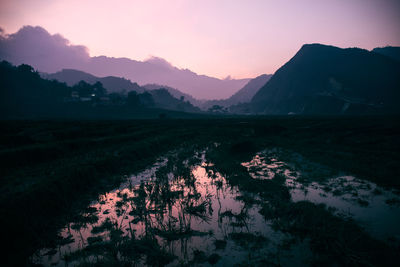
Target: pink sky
{"points": [[217, 38]]}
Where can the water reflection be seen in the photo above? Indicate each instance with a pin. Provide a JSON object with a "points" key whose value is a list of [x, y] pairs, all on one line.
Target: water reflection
{"points": [[183, 211], [375, 208], [178, 211]]}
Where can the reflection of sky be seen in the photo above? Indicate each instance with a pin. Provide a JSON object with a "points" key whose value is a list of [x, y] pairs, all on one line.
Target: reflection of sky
{"points": [[221, 197], [378, 218], [218, 38]]}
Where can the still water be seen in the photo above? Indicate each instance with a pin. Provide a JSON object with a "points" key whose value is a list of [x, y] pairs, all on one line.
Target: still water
{"points": [[182, 211]]}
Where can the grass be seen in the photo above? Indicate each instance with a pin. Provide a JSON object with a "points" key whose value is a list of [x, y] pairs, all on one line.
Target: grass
{"points": [[333, 240], [51, 170]]}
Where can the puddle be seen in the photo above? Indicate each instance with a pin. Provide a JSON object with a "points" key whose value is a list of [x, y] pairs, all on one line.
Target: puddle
{"points": [[263, 167], [180, 211], [189, 213], [374, 208]]}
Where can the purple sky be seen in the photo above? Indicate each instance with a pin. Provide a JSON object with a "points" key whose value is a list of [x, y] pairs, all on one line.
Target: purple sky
{"points": [[218, 38]]}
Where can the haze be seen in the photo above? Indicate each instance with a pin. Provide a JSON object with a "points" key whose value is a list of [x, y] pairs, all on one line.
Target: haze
{"points": [[217, 38]]}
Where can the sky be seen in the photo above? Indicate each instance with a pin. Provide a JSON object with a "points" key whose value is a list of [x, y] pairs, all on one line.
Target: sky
{"points": [[240, 38]]}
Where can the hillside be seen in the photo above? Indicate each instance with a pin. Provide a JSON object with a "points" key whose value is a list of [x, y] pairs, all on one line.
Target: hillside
{"points": [[244, 95], [175, 93], [52, 53], [389, 51], [111, 83], [323, 79], [25, 95]]}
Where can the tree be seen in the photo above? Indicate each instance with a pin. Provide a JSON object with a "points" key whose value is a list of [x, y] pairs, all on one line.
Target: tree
{"points": [[146, 99], [116, 99], [84, 89], [98, 89], [217, 109], [133, 99], [25, 68]]}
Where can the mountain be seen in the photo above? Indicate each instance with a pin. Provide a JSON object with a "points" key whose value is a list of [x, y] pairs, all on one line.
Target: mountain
{"points": [[175, 93], [162, 97], [323, 79], [112, 84], [52, 53], [26, 95], [244, 95], [389, 51], [165, 100]]}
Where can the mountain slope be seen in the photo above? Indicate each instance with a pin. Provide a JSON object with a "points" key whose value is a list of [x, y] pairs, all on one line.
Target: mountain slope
{"points": [[112, 84], [164, 99], [389, 51], [161, 96], [244, 95], [51, 53], [26, 95], [322, 79], [175, 93]]}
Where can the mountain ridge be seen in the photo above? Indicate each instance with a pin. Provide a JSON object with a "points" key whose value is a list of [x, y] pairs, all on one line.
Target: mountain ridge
{"points": [[324, 79], [111, 83], [52, 53], [244, 95], [389, 51]]}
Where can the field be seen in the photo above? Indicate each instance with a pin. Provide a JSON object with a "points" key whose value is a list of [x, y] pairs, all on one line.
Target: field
{"points": [[245, 191]]}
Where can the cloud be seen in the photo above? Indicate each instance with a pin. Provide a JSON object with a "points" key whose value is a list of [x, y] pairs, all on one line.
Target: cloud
{"points": [[51, 53], [45, 52], [159, 62]]}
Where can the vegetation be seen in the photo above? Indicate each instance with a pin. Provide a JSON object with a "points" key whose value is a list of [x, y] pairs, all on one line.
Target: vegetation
{"points": [[52, 170], [25, 95]]}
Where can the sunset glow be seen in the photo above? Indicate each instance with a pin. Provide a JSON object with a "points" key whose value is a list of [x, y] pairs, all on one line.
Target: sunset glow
{"points": [[216, 38]]}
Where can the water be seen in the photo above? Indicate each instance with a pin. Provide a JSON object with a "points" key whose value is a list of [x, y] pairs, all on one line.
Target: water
{"points": [[191, 211], [373, 207], [182, 211]]}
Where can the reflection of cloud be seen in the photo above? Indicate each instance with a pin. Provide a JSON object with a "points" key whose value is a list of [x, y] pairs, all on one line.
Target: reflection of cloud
{"points": [[37, 47]]}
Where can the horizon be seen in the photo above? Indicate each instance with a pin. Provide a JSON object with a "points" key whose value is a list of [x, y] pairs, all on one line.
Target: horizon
{"points": [[160, 60], [239, 40]]}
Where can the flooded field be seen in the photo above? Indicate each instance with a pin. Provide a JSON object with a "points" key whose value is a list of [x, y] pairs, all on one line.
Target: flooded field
{"points": [[197, 207], [373, 207]]}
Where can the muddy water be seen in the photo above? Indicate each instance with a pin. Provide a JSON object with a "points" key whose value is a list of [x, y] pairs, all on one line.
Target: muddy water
{"points": [[181, 211]]}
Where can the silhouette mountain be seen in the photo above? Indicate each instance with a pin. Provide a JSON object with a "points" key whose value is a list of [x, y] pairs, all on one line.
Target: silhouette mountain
{"points": [[389, 51], [165, 100], [172, 97], [244, 95], [51, 53], [26, 95], [111, 83], [323, 79], [175, 93]]}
